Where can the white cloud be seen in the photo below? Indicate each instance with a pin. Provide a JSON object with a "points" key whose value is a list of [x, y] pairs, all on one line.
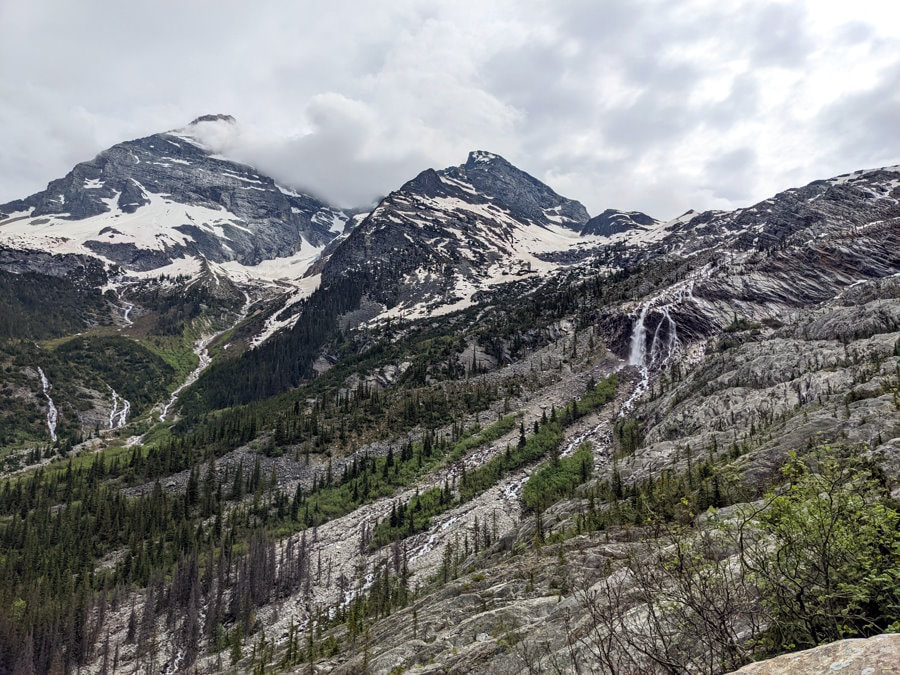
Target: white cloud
{"points": [[651, 105]]}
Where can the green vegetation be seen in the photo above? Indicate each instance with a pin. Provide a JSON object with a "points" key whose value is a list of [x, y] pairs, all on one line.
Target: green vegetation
{"points": [[415, 515], [832, 570], [558, 479], [75, 368], [483, 437], [629, 434], [36, 306], [177, 352], [368, 478], [741, 324], [816, 560], [282, 362], [114, 361]]}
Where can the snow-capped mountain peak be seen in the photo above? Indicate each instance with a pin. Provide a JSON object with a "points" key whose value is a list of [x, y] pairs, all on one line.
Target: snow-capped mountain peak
{"points": [[447, 234], [144, 203]]}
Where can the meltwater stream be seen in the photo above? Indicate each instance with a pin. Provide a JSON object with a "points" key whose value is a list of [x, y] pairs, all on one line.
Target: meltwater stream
{"points": [[118, 415], [201, 349], [52, 413]]}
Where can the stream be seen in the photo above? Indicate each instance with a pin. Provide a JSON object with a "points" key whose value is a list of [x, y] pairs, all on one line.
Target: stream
{"points": [[201, 349], [118, 416], [52, 413]]}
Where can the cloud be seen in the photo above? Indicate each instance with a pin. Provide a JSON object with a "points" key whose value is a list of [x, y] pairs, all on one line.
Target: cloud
{"points": [[864, 126], [649, 105], [345, 157]]}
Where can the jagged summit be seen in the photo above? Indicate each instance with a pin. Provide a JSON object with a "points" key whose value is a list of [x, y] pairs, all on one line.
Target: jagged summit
{"points": [[447, 234], [483, 157], [427, 182], [213, 118], [522, 194]]}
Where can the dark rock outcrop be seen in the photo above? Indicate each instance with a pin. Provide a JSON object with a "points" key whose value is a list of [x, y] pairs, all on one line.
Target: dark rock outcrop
{"points": [[612, 222]]}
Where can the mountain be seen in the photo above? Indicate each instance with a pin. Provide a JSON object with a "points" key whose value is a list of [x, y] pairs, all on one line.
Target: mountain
{"points": [[796, 216], [612, 222], [448, 234], [144, 203], [476, 431]]}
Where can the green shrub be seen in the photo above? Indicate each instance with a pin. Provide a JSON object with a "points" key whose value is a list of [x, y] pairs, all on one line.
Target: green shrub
{"points": [[558, 479], [831, 569]]}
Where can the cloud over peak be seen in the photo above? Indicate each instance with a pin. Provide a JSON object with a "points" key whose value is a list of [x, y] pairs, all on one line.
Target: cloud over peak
{"points": [[653, 106]]}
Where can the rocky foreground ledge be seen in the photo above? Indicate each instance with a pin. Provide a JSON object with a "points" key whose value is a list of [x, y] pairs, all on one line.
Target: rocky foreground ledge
{"points": [[879, 655]]}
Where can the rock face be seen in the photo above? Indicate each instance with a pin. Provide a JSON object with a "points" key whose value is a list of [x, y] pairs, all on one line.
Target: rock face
{"points": [[800, 248], [803, 215], [879, 655], [70, 266], [446, 234], [612, 222], [523, 195], [145, 202]]}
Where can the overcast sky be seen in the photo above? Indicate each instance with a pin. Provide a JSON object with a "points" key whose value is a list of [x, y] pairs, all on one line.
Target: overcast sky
{"points": [[658, 106]]}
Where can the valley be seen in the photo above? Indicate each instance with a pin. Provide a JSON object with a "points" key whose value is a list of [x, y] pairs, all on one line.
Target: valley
{"points": [[470, 429]]}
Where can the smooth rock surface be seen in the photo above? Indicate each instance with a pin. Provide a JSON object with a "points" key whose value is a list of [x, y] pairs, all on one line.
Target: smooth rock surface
{"points": [[879, 655]]}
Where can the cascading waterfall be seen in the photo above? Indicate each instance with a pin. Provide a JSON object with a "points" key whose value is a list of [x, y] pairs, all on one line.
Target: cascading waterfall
{"points": [[661, 351], [581, 438], [638, 355], [112, 413], [118, 416], [639, 338], [664, 344], [52, 413], [126, 409]]}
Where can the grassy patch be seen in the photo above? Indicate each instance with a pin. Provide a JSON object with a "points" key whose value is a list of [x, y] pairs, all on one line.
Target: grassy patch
{"points": [[558, 479]]}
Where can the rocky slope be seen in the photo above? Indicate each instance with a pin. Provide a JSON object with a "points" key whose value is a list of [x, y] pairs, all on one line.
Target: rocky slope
{"points": [[879, 655], [830, 378], [445, 235], [763, 263]]}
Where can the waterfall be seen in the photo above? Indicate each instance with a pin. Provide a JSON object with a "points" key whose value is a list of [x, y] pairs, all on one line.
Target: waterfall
{"points": [[52, 413], [112, 414], [118, 416], [661, 352], [664, 344], [639, 338], [638, 355], [123, 415]]}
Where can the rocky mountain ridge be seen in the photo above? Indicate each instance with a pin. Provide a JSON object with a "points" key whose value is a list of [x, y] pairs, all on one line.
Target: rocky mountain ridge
{"points": [[446, 235]]}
